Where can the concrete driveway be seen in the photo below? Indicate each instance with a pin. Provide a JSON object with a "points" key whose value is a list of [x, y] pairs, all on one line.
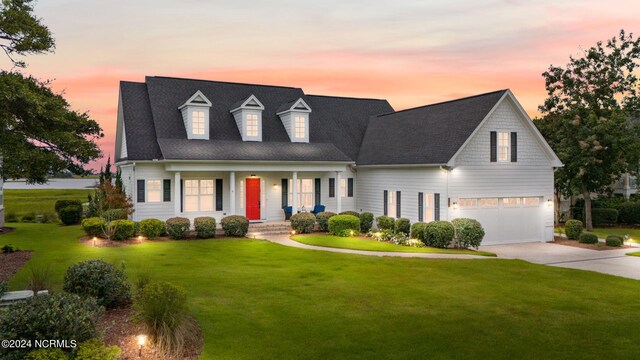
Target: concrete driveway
{"points": [[613, 262]]}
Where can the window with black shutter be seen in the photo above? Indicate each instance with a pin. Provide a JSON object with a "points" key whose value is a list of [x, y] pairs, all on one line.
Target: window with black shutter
{"points": [[514, 147], [166, 190], [318, 186], [219, 196], [398, 214], [385, 202], [436, 207], [420, 206], [350, 187], [141, 191], [285, 193], [332, 187], [494, 146]]}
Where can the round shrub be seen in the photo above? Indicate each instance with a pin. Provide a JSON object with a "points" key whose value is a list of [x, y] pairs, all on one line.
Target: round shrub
{"points": [[95, 349], [468, 232], [47, 354], [588, 238], [385, 223], [417, 230], [402, 225], [303, 222], [151, 228], [323, 220], [70, 215], [122, 229], [349, 212], [98, 279], [64, 203], [438, 234], [573, 228], [93, 226], [177, 227], [58, 316], [629, 213], [614, 241], [235, 225], [344, 225], [205, 227], [366, 222]]}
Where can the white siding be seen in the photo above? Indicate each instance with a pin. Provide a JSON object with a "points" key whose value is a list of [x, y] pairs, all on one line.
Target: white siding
{"points": [[146, 210], [123, 145], [287, 121], [187, 118], [240, 116]]}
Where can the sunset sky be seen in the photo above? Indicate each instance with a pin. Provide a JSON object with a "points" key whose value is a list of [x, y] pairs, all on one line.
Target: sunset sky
{"points": [[408, 51]]}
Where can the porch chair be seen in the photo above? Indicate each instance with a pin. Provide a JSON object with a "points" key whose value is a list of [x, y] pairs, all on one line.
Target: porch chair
{"points": [[287, 212], [318, 209]]}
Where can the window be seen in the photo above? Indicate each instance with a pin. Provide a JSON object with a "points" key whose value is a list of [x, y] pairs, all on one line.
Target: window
{"points": [[343, 187], [300, 127], [305, 193], [489, 202], [197, 121], [391, 204], [198, 195], [503, 146], [428, 207], [511, 202], [252, 125], [468, 203], [154, 190], [531, 201]]}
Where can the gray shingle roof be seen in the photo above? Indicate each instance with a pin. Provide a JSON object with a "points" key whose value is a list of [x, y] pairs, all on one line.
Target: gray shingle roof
{"points": [[138, 123], [429, 134]]}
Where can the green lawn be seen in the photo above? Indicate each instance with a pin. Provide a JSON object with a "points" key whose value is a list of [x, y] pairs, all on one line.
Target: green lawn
{"points": [[256, 299], [39, 201], [634, 233], [637, 253], [358, 243]]}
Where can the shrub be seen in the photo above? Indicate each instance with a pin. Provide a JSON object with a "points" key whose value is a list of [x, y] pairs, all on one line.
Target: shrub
{"points": [[599, 216], [177, 227], [70, 215], [614, 241], [349, 212], [629, 213], [390, 236], [122, 229], [588, 238], [468, 232], [64, 203], [344, 225], [162, 310], [115, 214], [95, 349], [366, 222], [100, 280], [93, 226], [573, 228], [235, 225], [438, 234], [47, 354], [323, 220], [11, 217], [38, 278], [385, 223], [303, 222], [8, 249], [151, 228], [417, 230], [49, 217], [205, 227], [402, 225], [57, 316], [28, 218]]}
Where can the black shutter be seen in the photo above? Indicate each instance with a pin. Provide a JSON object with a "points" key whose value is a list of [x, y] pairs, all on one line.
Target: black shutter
{"points": [[398, 204], [494, 146], [420, 206], [385, 202], [332, 187], [317, 191], [285, 193], [166, 190], [514, 147], [436, 207], [140, 190], [219, 192], [350, 187], [181, 195]]}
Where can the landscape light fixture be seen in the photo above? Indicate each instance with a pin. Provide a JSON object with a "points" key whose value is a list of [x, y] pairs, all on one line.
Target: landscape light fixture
{"points": [[142, 341]]}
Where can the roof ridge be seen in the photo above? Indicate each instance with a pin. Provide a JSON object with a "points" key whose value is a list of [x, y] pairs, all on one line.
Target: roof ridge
{"points": [[443, 102], [222, 82], [346, 97]]}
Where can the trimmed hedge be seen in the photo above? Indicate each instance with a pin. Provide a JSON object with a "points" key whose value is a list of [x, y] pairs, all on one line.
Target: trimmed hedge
{"points": [[151, 228], [98, 279], [588, 238], [344, 225], [303, 222], [599, 216], [614, 241], [629, 213], [124, 229], [573, 228], [235, 225], [93, 226], [64, 203], [205, 227], [468, 232], [385, 223], [323, 220], [177, 227], [349, 212], [417, 230], [438, 234], [402, 225]]}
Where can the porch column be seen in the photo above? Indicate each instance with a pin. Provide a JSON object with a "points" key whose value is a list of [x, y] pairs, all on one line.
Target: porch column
{"points": [[177, 197], [232, 193], [294, 193], [338, 193]]}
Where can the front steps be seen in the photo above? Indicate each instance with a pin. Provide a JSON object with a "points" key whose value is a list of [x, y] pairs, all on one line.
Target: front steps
{"points": [[268, 228]]}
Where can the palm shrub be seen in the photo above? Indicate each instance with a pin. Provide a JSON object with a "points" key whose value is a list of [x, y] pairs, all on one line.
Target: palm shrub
{"points": [[205, 227], [614, 241], [468, 232], [417, 230], [177, 227], [385, 223], [93, 226], [151, 228], [303, 223], [402, 225], [438, 234], [122, 229], [366, 222], [344, 225], [323, 220], [573, 228], [235, 225], [98, 279], [588, 238]]}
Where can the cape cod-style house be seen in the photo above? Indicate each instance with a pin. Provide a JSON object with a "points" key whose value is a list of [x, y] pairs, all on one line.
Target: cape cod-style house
{"points": [[208, 148]]}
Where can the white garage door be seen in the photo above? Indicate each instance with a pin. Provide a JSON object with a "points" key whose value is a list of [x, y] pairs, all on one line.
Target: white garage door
{"points": [[506, 220]]}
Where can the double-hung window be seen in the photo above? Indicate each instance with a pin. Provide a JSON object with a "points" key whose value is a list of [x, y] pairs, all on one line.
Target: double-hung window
{"points": [[300, 125], [154, 190], [197, 120], [503, 146], [305, 193], [198, 195], [391, 204], [428, 207], [252, 125]]}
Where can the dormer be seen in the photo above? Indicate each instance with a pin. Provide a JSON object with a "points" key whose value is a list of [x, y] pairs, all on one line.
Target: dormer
{"points": [[295, 118], [248, 116], [195, 114]]}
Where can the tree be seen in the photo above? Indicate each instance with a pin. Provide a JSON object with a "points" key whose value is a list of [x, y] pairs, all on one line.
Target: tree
{"points": [[109, 201], [586, 118], [39, 133]]}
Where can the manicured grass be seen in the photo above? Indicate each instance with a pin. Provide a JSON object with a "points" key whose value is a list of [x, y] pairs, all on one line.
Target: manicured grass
{"points": [[637, 253], [358, 243], [39, 201], [634, 234], [256, 299]]}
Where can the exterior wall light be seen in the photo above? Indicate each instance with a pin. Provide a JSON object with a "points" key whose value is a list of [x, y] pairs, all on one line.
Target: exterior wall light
{"points": [[455, 205], [549, 202]]}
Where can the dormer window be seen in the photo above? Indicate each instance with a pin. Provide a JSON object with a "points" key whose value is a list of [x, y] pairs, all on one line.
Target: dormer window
{"points": [[300, 126], [248, 115], [252, 125], [198, 122], [195, 114], [295, 118]]}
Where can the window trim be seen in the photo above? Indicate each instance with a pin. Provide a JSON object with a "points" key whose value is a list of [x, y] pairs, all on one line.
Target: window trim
{"points": [[530, 197], [473, 200], [506, 205], [491, 206], [508, 146], [159, 191]]}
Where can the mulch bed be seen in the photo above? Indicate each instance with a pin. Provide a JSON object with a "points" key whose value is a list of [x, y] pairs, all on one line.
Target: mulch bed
{"points": [[564, 241], [88, 240], [120, 330], [6, 230], [12, 262]]}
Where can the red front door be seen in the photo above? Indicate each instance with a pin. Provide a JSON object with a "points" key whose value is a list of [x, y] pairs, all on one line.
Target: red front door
{"points": [[253, 198]]}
